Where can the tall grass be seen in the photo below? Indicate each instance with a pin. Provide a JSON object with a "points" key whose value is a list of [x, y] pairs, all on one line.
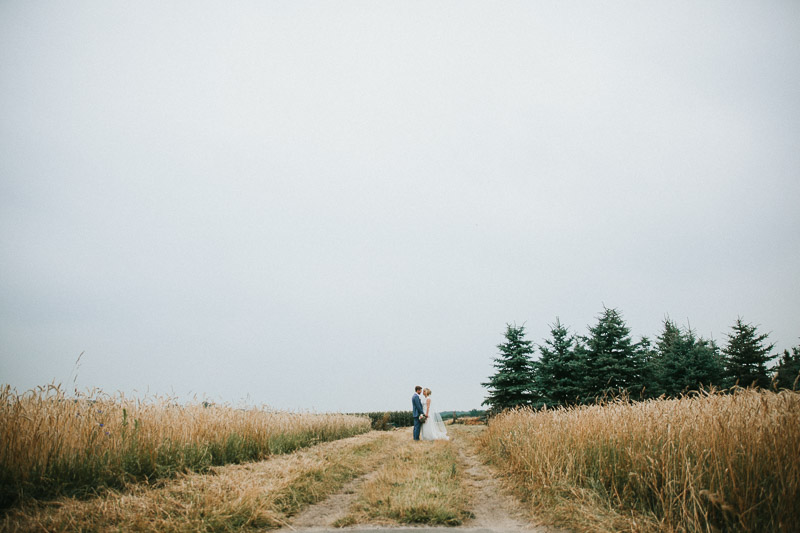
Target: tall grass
{"points": [[56, 444], [232, 498], [711, 462]]}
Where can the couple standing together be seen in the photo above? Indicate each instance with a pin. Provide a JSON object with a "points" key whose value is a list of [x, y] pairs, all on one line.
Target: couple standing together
{"points": [[428, 424]]}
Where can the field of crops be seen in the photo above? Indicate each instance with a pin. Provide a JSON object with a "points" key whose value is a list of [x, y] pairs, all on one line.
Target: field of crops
{"points": [[711, 462], [53, 443]]}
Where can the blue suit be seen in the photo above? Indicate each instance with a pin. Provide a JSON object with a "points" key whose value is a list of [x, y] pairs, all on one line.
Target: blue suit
{"points": [[416, 410]]}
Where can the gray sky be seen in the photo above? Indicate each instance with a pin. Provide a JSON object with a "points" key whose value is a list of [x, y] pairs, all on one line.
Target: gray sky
{"points": [[319, 205]]}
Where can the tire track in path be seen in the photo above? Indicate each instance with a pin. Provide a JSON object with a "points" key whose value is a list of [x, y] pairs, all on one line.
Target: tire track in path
{"points": [[323, 515], [494, 509]]}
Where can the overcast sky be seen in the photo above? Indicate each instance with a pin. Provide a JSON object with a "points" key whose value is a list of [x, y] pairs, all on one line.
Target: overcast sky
{"points": [[319, 205]]}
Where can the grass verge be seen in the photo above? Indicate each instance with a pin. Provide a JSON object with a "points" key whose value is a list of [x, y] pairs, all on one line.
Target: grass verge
{"points": [[252, 496], [422, 483]]}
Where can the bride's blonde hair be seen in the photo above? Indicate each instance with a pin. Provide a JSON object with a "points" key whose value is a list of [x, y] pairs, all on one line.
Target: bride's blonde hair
{"points": [[426, 392]]}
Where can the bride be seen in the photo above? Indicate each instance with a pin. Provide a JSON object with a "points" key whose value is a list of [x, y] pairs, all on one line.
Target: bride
{"points": [[433, 428]]}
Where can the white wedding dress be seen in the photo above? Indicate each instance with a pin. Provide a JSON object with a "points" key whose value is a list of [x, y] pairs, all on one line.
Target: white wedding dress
{"points": [[433, 428]]}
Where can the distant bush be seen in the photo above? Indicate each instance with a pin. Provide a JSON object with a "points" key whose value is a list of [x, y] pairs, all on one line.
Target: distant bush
{"points": [[470, 421], [447, 415], [384, 420]]}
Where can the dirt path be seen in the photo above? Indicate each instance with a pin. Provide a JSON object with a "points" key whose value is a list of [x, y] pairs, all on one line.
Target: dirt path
{"points": [[321, 517], [493, 507], [495, 511]]}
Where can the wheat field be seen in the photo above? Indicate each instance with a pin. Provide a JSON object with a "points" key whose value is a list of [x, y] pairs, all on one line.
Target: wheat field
{"points": [[256, 496], [54, 443], [706, 463]]}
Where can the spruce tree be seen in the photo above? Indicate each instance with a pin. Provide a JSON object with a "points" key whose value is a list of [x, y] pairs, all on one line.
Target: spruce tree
{"points": [[645, 355], [747, 355], [559, 368], [704, 363], [788, 370], [613, 363], [512, 384], [685, 362]]}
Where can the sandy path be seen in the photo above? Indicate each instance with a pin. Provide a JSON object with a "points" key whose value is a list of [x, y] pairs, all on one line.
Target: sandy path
{"points": [[494, 509], [320, 517]]}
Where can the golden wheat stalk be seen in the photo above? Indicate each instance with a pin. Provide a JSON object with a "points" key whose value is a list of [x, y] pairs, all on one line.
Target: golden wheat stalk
{"points": [[52, 441], [700, 463]]}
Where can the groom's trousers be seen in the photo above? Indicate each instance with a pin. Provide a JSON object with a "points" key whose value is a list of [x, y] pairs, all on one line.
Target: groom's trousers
{"points": [[417, 428]]}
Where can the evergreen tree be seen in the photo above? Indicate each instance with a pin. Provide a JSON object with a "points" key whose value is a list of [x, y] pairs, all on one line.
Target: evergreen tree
{"points": [[646, 355], [559, 368], [584, 380], [704, 362], [512, 384], [613, 363], [671, 360], [685, 362], [747, 355], [788, 370]]}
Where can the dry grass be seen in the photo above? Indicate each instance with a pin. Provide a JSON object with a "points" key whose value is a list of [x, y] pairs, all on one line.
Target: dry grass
{"points": [[715, 462], [422, 483], [54, 444], [229, 498]]}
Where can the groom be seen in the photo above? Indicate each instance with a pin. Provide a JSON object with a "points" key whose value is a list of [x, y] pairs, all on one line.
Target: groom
{"points": [[416, 411]]}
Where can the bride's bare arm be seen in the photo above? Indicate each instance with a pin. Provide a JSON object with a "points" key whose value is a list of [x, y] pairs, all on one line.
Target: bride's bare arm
{"points": [[427, 407]]}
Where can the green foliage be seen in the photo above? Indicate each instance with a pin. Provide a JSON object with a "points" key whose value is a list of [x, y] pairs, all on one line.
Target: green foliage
{"points": [[574, 369], [747, 355], [447, 415], [787, 372], [557, 368], [684, 362], [384, 420], [512, 384], [647, 355], [612, 362]]}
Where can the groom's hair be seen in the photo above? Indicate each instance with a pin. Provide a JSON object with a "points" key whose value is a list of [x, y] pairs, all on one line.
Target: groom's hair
{"points": [[417, 388]]}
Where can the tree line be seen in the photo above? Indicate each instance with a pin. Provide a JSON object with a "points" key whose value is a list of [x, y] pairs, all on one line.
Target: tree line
{"points": [[572, 369]]}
